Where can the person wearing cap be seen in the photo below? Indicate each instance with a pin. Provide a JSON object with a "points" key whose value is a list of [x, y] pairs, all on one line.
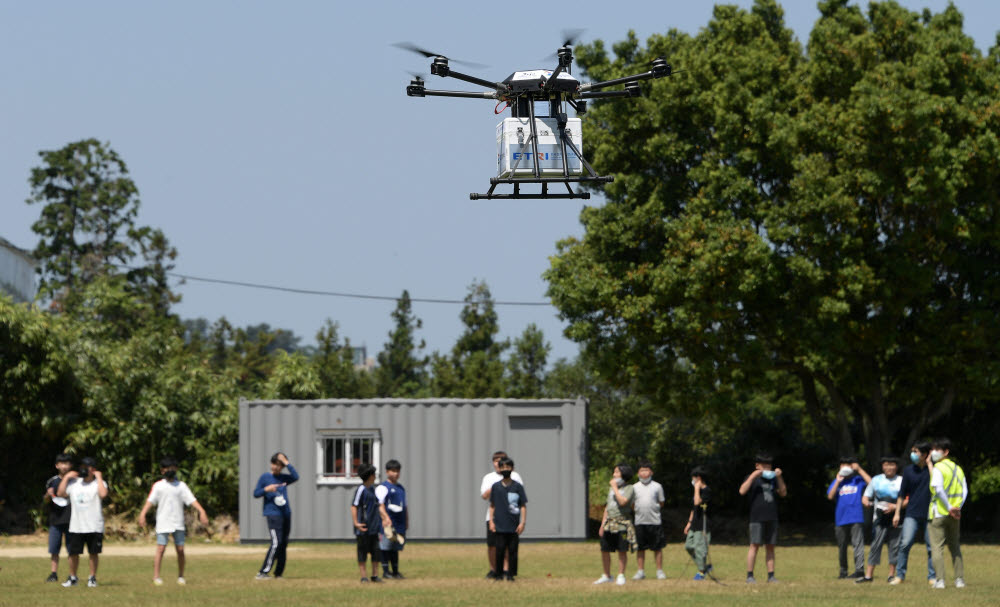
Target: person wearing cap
{"points": [[764, 485], [948, 494], [85, 489], [915, 499], [846, 491], [170, 496], [881, 495], [59, 514], [273, 487]]}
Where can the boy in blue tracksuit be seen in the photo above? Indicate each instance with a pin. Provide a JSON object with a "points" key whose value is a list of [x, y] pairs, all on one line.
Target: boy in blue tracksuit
{"points": [[273, 487], [367, 521], [395, 518]]}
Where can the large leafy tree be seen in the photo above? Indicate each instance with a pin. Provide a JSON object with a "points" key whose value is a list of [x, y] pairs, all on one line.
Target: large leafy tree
{"points": [[87, 226], [474, 369], [829, 216], [402, 371], [525, 377]]}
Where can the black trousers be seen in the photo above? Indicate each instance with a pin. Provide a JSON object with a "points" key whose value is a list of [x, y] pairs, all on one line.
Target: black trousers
{"points": [[507, 546], [279, 528]]}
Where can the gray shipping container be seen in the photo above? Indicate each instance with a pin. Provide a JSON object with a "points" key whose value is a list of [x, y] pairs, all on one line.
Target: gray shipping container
{"points": [[444, 446]]}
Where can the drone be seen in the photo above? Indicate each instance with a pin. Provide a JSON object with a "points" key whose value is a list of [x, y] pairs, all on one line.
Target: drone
{"points": [[535, 149]]}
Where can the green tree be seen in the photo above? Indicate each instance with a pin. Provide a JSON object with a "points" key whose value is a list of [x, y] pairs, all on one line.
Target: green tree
{"points": [[525, 377], [334, 363], [830, 217], [476, 369], [402, 371], [87, 226]]}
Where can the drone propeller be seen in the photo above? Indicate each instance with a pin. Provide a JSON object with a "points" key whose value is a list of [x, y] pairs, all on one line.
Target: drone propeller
{"points": [[413, 48], [570, 36]]}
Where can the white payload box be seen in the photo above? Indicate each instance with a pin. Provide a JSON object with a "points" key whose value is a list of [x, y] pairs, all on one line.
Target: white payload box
{"points": [[512, 133]]}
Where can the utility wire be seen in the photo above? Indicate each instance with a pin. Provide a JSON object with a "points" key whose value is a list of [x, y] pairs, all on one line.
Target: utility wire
{"points": [[253, 285]]}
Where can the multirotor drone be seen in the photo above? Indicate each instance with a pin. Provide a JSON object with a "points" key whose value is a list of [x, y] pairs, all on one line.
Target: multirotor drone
{"points": [[532, 148]]}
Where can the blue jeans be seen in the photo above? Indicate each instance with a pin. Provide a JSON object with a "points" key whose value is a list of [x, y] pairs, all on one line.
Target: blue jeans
{"points": [[912, 528]]}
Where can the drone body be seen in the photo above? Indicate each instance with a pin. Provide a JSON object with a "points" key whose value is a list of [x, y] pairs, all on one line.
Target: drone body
{"points": [[545, 149]]}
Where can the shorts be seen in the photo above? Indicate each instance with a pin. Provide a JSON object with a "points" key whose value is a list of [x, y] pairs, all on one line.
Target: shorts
{"points": [[368, 544], [614, 542], [765, 532], [387, 545], [650, 537], [491, 537], [56, 533], [76, 541], [162, 539]]}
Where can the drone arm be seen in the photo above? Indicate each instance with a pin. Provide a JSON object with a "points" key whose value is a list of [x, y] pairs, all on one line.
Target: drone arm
{"points": [[660, 69], [607, 95], [422, 92], [496, 86]]}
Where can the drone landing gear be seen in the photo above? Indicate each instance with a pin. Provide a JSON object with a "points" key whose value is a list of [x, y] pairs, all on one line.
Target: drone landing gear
{"points": [[544, 194]]}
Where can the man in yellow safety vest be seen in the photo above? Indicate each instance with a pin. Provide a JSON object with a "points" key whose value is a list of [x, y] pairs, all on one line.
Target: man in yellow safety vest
{"points": [[948, 494]]}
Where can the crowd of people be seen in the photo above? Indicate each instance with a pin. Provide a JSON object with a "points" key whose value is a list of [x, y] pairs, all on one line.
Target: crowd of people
{"points": [[925, 501]]}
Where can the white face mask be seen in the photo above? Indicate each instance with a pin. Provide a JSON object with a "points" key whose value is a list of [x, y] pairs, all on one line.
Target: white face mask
{"points": [[694, 483], [620, 482], [846, 471], [645, 480], [937, 456]]}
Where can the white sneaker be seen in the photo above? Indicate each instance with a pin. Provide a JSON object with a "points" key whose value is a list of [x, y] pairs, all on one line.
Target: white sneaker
{"points": [[959, 583], [660, 575], [158, 581], [639, 575], [620, 580], [604, 579], [181, 581], [939, 583], [92, 582]]}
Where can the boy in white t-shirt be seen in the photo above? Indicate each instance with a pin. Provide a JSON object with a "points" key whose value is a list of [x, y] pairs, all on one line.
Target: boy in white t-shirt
{"points": [[170, 496], [85, 489], [485, 489], [649, 534]]}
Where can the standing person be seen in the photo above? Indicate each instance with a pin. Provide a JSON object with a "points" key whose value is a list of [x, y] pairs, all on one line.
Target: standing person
{"points": [[85, 490], [367, 522], [59, 514], [764, 485], [697, 531], [508, 513], [617, 531], [846, 491], [273, 487], [882, 494], [170, 496], [391, 498], [915, 498], [649, 534], [948, 494], [485, 487]]}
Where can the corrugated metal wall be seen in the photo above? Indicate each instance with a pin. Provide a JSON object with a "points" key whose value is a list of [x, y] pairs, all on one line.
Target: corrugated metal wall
{"points": [[444, 446]]}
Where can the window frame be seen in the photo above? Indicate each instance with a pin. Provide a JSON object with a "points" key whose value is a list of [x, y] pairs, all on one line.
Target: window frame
{"points": [[348, 436]]}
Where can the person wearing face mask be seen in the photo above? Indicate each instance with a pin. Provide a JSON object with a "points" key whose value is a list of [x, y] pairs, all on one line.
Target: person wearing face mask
{"points": [[170, 496], [882, 495], [846, 491], [948, 494], [764, 485], [649, 535], [485, 488], [507, 515], [915, 499], [617, 530], [699, 534], [85, 489]]}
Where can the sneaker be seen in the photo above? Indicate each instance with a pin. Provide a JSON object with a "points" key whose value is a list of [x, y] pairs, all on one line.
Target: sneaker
{"points": [[620, 580], [699, 576], [262, 576], [660, 575], [890, 578], [92, 582], [856, 575], [491, 575], [751, 579], [364, 580], [398, 576], [71, 581], [376, 579], [639, 575], [52, 577], [959, 583], [842, 576], [938, 583], [896, 581], [772, 580], [604, 579], [508, 577], [182, 581], [864, 580], [158, 581]]}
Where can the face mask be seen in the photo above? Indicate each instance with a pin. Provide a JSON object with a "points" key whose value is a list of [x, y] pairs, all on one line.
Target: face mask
{"points": [[694, 483], [84, 471], [170, 475], [646, 480], [620, 482], [279, 500], [506, 473], [937, 456], [914, 457], [768, 474], [846, 471]]}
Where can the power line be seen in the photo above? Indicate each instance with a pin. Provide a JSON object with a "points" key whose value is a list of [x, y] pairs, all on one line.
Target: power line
{"points": [[252, 285]]}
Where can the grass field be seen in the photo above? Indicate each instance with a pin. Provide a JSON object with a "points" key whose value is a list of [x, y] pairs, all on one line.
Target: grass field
{"points": [[552, 574]]}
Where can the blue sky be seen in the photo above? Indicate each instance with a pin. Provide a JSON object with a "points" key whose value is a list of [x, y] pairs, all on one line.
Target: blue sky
{"points": [[273, 143]]}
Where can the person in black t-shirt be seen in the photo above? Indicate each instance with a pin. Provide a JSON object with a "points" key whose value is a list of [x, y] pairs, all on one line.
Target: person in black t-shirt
{"points": [[915, 499], [59, 513], [508, 511], [764, 485], [698, 533]]}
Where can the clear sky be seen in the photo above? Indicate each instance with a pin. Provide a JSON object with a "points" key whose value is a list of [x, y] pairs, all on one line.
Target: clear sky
{"points": [[273, 143]]}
